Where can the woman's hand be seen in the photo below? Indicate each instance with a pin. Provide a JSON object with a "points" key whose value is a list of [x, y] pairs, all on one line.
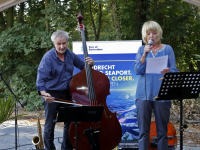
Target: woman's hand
{"points": [[165, 71], [147, 49], [90, 61]]}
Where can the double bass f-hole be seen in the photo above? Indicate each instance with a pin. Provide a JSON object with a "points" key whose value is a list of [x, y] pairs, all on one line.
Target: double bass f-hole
{"points": [[92, 87], [101, 104]]}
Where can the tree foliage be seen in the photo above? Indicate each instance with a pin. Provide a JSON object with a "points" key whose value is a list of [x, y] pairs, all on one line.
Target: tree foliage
{"points": [[25, 31]]}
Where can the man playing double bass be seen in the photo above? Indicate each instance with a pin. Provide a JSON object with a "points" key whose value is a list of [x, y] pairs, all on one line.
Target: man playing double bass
{"points": [[53, 78]]}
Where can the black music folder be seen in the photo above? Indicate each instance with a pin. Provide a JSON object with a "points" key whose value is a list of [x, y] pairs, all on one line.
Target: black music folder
{"points": [[79, 113], [179, 85]]}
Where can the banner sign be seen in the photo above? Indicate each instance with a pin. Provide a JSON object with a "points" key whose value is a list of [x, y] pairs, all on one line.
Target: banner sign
{"points": [[115, 59]]}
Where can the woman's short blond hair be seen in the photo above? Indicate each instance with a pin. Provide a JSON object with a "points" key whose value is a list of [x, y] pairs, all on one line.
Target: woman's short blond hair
{"points": [[151, 26]]}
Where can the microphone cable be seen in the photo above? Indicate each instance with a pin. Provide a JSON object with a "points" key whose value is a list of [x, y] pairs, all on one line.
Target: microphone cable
{"points": [[150, 42], [145, 86]]}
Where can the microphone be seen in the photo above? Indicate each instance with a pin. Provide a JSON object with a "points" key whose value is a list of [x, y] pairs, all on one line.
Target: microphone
{"points": [[150, 42]]}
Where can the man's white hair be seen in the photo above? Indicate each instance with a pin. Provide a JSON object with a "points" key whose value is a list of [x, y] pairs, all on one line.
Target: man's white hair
{"points": [[59, 34]]}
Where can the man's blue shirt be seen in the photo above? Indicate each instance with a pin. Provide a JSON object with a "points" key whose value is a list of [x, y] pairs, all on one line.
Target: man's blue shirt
{"points": [[54, 74]]}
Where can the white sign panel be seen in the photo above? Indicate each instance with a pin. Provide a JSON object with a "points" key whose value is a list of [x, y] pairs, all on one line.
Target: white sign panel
{"points": [[108, 47]]}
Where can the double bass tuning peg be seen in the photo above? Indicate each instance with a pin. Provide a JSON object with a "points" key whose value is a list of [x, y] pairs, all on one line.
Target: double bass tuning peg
{"points": [[79, 17], [80, 21]]}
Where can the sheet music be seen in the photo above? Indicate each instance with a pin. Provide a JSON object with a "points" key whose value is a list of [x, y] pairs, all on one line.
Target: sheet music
{"points": [[157, 64]]}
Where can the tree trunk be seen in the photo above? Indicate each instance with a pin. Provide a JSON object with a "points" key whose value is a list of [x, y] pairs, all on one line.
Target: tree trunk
{"points": [[96, 33], [141, 16], [92, 19], [80, 7], [2, 22], [21, 13], [100, 22], [47, 21], [10, 18], [46, 15], [116, 18]]}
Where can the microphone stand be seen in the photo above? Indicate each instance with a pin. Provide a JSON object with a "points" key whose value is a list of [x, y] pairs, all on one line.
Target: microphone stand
{"points": [[15, 108]]}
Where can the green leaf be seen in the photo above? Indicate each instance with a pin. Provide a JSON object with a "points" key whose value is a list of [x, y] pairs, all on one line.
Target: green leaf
{"points": [[7, 108]]}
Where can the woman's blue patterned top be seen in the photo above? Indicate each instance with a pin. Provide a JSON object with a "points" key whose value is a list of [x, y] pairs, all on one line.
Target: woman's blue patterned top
{"points": [[149, 84]]}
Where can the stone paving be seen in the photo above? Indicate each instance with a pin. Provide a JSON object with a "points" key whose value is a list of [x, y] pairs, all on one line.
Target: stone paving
{"points": [[26, 133]]}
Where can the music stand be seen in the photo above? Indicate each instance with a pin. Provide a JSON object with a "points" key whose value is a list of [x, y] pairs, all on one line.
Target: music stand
{"points": [[180, 85], [79, 114]]}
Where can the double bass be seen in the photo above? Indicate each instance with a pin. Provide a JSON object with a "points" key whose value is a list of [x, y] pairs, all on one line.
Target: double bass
{"points": [[91, 87], [171, 134]]}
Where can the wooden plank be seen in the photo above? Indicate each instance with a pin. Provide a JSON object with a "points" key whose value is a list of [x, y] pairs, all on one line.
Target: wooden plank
{"points": [[194, 2], [4, 4]]}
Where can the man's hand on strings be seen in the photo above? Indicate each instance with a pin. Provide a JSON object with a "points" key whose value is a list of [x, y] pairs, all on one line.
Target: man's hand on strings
{"points": [[90, 61]]}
